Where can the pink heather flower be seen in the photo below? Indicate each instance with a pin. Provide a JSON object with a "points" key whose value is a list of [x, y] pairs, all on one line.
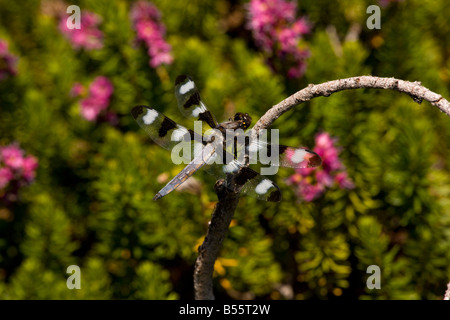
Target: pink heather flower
{"points": [[277, 32], [101, 89], [298, 70], [90, 108], [6, 175], [88, 36], [310, 192], [385, 3], [265, 13], [100, 92], [3, 47], [8, 61], [295, 178], [143, 10], [301, 26], [16, 170], [313, 182], [326, 150], [30, 164], [77, 90], [324, 140], [160, 55], [287, 39], [150, 30], [324, 178], [343, 181], [12, 156]]}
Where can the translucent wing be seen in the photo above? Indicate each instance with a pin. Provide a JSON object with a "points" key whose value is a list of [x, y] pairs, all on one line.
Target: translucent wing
{"points": [[287, 156], [252, 183], [257, 186], [190, 103], [166, 132], [199, 161]]}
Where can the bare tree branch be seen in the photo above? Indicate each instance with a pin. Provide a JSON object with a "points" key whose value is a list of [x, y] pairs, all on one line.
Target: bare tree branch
{"points": [[209, 250], [414, 89], [228, 200]]}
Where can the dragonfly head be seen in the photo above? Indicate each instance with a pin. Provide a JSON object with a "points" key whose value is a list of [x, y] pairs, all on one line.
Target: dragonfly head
{"points": [[244, 119]]}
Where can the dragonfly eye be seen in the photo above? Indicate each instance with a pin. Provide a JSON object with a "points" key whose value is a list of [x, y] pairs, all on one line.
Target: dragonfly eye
{"points": [[247, 121], [244, 118]]}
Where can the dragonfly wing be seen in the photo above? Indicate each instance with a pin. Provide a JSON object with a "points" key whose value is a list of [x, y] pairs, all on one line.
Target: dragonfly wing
{"points": [[199, 161], [257, 186], [287, 156], [166, 132], [190, 103]]}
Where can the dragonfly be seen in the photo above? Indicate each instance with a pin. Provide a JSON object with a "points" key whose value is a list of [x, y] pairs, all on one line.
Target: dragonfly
{"points": [[210, 150]]}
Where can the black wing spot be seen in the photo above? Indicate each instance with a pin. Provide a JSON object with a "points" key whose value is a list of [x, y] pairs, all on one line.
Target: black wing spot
{"points": [[191, 134], [166, 126], [245, 174], [275, 196], [314, 161], [282, 149], [137, 111], [208, 118], [181, 78], [194, 100]]}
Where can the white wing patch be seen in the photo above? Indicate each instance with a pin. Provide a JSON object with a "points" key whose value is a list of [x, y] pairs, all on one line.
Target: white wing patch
{"points": [[178, 134], [196, 112], [150, 117], [188, 86], [298, 156], [263, 186], [232, 167], [199, 110]]}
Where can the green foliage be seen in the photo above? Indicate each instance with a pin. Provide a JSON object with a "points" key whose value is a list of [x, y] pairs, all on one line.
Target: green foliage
{"points": [[152, 283], [91, 204]]}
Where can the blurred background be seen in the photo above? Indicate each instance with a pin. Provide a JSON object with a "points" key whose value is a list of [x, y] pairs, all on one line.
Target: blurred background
{"points": [[77, 174]]}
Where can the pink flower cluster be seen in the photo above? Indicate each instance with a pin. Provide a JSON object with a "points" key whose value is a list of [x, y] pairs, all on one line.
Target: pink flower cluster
{"points": [[385, 3], [7, 61], [88, 36], [277, 32], [96, 100], [16, 169], [312, 182], [150, 30]]}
